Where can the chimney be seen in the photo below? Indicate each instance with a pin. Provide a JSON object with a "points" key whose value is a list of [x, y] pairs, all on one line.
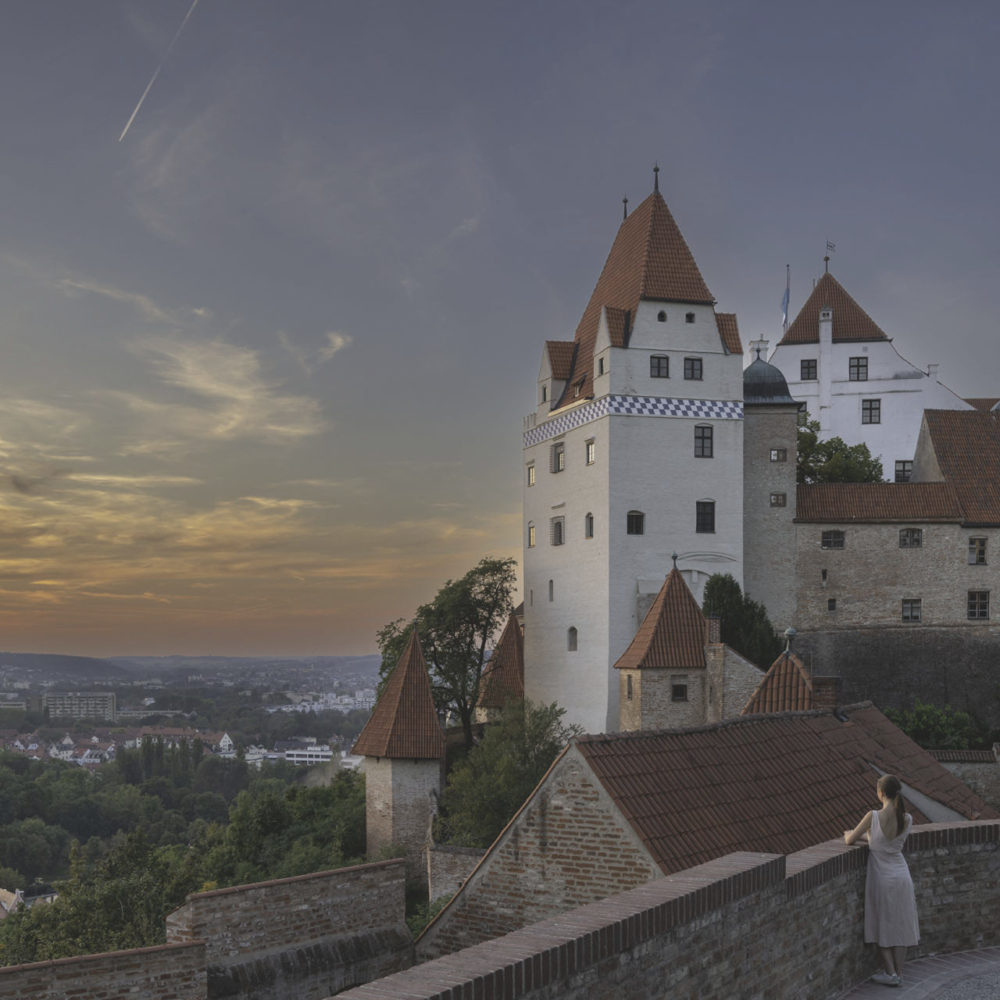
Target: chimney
{"points": [[714, 629], [826, 692]]}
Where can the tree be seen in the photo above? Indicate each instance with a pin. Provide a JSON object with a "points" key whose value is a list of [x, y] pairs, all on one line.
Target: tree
{"points": [[492, 782], [456, 630], [936, 728], [744, 623], [832, 461]]}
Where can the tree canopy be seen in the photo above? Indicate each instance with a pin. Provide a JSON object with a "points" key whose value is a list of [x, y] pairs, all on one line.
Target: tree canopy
{"points": [[456, 630], [938, 728], [744, 623], [833, 461]]}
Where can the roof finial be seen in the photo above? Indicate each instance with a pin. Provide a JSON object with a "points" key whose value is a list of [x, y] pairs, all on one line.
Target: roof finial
{"points": [[757, 349], [674, 557], [656, 177], [826, 264], [790, 634], [625, 210], [830, 247]]}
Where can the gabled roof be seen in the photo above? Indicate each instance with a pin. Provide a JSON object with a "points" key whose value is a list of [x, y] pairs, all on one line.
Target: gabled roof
{"points": [[867, 502], [560, 357], [774, 783], [966, 444], [786, 687], [984, 402], [503, 678], [649, 260], [672, 634], [850, 321], [729, 331], [404, 723]]}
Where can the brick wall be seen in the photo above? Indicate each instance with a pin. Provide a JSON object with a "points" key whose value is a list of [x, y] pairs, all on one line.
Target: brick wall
{"points": [[448, 867], [525, 881], [776, 926], [167, 972], [303, 937]]}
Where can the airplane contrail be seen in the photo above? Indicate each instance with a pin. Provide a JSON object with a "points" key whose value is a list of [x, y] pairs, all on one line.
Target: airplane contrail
{"points": [[156, 73]]}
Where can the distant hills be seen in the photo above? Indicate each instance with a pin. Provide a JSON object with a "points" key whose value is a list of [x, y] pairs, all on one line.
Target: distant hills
{"points": [[57, 667]]}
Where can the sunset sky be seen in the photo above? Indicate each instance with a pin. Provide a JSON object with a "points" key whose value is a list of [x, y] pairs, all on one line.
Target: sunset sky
{"points": [[264, 361]]}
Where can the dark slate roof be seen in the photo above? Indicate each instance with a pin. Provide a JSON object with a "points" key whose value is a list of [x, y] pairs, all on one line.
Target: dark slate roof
{"points": [[404, 723], [503, 678], [850, 321], [672, 635], [649, 260], [967, 447], [774, 783], [763, 385], [843, 503]]}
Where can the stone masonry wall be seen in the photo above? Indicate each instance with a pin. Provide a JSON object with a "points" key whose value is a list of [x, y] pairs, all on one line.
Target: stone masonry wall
{"points": [[167, 972], [304, 937], [741, 927], [523, 880], [448, 867]]}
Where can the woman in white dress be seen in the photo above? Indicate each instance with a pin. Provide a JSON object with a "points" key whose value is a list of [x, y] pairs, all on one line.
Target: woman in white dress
{"points": [[890, 903]]}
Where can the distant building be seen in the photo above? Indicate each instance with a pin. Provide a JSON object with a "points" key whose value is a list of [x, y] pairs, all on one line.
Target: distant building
{"points": [[80, 705]]}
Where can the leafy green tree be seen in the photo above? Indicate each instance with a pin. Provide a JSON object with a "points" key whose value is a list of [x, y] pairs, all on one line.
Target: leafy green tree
{"points": [[938, 728], [456, 630], [744, 624], [496, 776], [833, 461]]}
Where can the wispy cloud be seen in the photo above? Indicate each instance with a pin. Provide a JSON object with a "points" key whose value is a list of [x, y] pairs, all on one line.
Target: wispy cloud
{"points": [[146, 307], [308, 360]]}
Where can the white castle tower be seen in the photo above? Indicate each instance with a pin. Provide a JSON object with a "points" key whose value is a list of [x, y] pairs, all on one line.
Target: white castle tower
{"points": [[634, 453]]}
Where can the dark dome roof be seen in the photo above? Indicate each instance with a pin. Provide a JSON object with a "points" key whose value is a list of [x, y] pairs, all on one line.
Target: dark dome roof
{"points": [[764, 384]]}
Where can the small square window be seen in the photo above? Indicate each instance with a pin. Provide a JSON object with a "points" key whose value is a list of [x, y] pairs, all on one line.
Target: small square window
{"points": [[705, 517], [557, 530], [702, 442], [977, 551], [531, 474], [807, 370], [911, 609], [692, 369], [559, 456], [871, 411], [831, 604], [779, 454], [635, 523], [857, 370], [659, 366], [688, 317], [911, 538], [832, 540], [904, 469], [779, 499], [679, 690], [590, 452], [979, 604]]}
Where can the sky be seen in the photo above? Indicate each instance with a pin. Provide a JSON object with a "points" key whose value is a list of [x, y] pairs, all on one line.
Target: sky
{"points": [[264, 361]]}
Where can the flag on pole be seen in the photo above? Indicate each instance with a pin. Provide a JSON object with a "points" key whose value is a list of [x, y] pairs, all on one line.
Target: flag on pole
{"points": [[784, 298]]}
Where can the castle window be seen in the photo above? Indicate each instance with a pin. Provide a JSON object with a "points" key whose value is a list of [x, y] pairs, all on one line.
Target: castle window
{"points": [[590, 452], [659, 366], [600, 366], [831, 604], [904, 470], [628, 687], [704, 518], [911, 609], [531, 535], [857, 370], [635, 522], [545, 393], [692, 369], [678, 689], [661, 316], [588, 526], [552, 590], [557, 530], [979, 604], [871, 411], [558, 456], [779, 454], [779, 499], [689, 317], [531, 474], [571, 638], [832, 540], [807, 370], [911, 538], [702, 441], [977, 551]]}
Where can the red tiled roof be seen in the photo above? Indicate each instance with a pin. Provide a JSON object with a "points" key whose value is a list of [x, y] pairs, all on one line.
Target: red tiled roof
{"points": [[649, 259], [850, 321], [967, 446], [618, 320], [560, 357], [503, 678], [404, 722], [786, 687], [772, 783], [846, 502], [984, 402], [729, 332], [673, 632]]}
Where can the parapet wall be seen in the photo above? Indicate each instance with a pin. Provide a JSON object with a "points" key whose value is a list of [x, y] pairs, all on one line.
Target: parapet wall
{"points": [[304, 937], [742, 926]]}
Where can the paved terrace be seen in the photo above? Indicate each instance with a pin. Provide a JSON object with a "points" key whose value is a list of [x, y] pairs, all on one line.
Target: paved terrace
{"points": [[967, 975]]}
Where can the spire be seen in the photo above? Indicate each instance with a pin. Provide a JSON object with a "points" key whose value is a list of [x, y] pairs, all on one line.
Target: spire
{"points": [[656, 178], [850, 321], [503, 678], [404, 722], [625, 208]]}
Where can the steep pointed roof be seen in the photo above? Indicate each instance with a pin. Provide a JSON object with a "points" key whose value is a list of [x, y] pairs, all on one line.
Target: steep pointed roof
{"points": [[672, 634], [649, 259], [503, 679], [786, 687], [850, 321], [404, 723]]}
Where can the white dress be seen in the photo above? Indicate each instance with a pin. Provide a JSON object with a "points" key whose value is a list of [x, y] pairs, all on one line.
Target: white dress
{"points": [[890, 903]]}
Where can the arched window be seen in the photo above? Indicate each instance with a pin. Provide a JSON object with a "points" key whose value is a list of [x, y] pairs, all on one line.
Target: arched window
{"points": [[588, 525], [662, 316], [571, 638], [635, 523]]}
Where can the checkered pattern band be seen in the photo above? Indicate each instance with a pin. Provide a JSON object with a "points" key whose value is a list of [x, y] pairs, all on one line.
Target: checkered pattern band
{"points": [[633, 406]]}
